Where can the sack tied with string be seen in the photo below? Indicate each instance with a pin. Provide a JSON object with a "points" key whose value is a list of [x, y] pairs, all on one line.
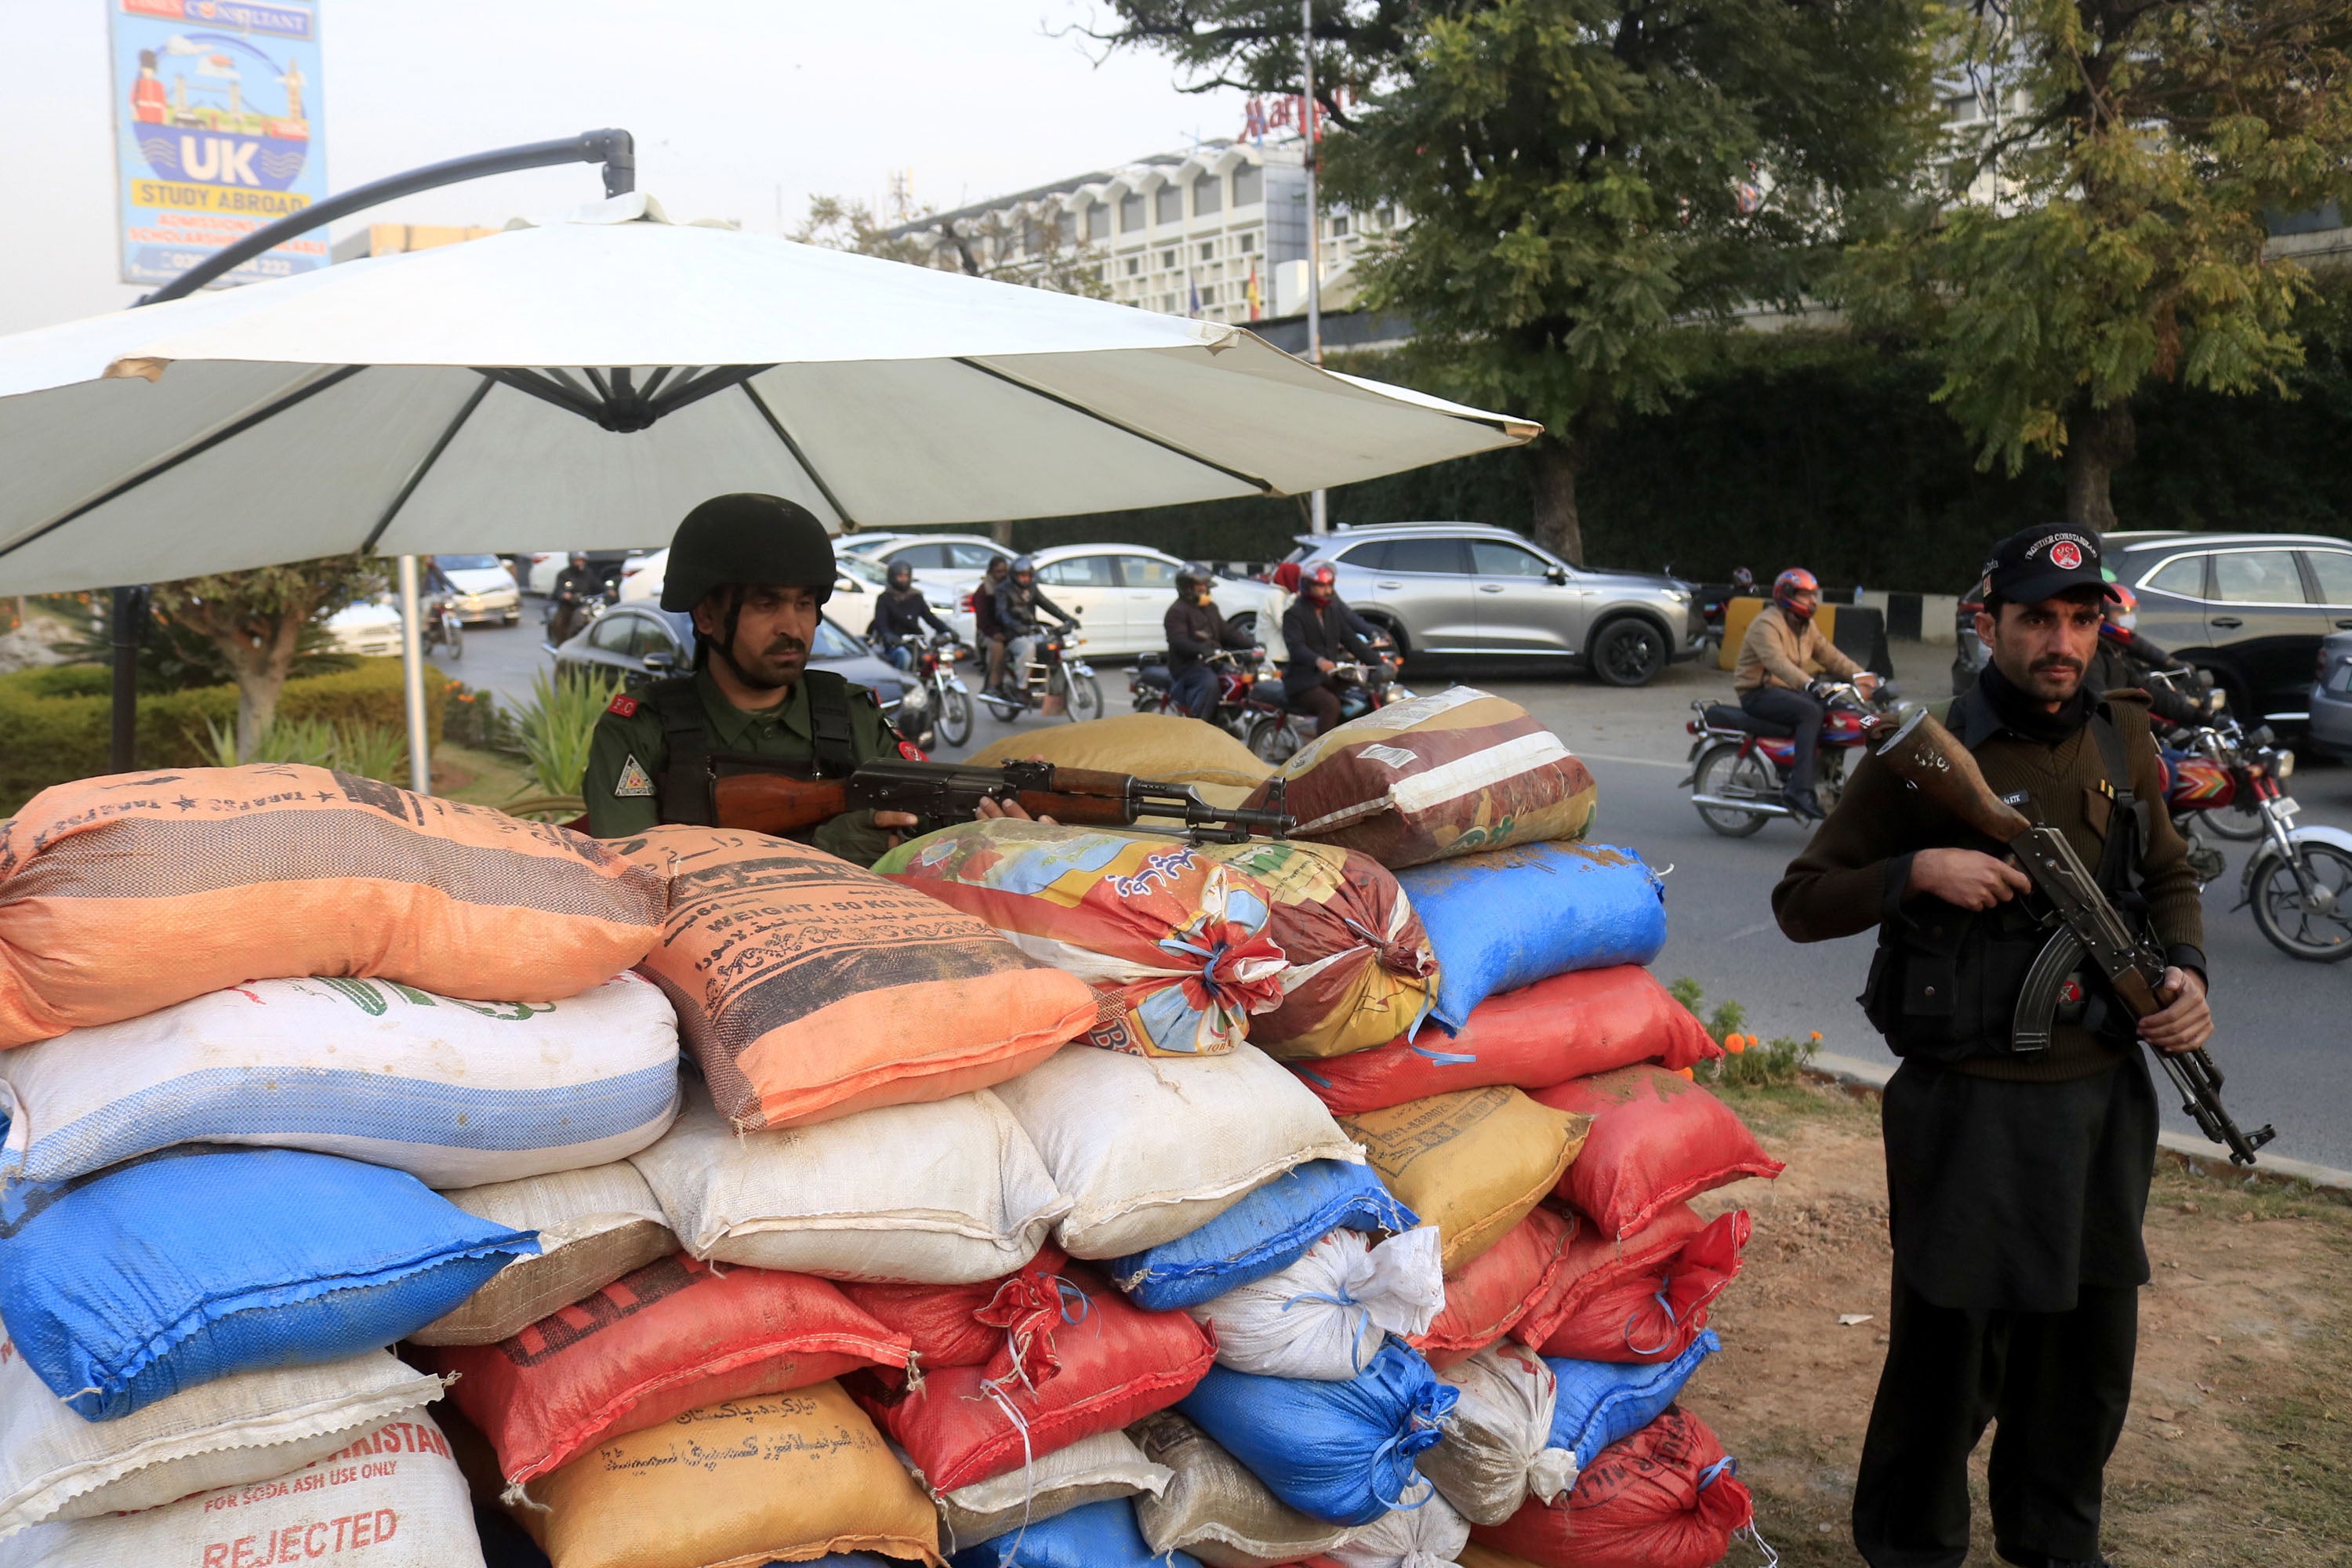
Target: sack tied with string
{"points": [[1645, 1314], [1497, 1451], [1430, 1536], [1103, 1468], [1328, 1315], [1657, 1140], [1667, 1497], [1602, 1403], [1215, 1509], [1264, 1233]]}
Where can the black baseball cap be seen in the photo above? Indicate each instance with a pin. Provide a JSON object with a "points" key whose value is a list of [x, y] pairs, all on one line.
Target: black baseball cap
{"points": [[2044, 562]]}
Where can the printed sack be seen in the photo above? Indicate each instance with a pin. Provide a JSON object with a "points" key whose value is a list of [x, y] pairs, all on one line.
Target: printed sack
{"points": [[1341, 1452], [1360, 972], [1149, 1151], [1215, 1509], [1264, 1234], [391, 1496], [1457, 771], [455, 1093], [941, 1194], [1657, 1139], [672, 1337], [1472, 1162], [593, 1225], [808, 988], [1511, 917], [245, 1427], [783, 1477], [278, 869], [1571, 1026], [1665, 1497], [1113, 1365], [149, 1279]]}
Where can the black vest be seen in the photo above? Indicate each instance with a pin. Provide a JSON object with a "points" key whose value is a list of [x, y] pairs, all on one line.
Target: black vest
{"points": [[683, 793]]}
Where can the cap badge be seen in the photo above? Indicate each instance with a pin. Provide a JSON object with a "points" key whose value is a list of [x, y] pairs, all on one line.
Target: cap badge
{"points": [[2067, 555]]}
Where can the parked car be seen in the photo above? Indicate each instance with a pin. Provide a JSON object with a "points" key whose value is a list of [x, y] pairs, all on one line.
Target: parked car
{"points": [[484, 590], [949, 562], [2252, 608], [641, 582], [1121, 594], [2331, 699], [1466, 588], [642, 642], [370, 628]]}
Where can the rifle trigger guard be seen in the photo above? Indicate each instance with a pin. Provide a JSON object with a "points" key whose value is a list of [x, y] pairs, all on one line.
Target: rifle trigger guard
{"points": [[2037, 1001]]}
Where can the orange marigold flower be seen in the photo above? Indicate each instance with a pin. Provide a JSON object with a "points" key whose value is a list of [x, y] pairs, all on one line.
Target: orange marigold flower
{"points": [[1735, 1044], [1817, 1036], [1687, 1073]]}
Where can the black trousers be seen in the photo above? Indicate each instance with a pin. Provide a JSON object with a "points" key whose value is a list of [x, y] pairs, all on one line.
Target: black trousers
{"points": [[1779, 705], [2057, 1383]]}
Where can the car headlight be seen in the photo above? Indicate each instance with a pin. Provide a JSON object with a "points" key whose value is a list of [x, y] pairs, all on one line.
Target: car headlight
{"points": [[2283, 764], [1679, 595]]}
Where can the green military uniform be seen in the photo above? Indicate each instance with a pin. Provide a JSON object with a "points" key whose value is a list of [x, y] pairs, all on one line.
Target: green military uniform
{"points": [[628, 756]]}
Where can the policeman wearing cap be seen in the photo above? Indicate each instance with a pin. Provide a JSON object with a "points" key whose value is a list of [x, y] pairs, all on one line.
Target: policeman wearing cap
{"points": [[754, 570], [2016, 1182]]}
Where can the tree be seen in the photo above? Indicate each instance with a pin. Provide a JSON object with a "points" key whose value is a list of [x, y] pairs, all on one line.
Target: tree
{"points": [[2096, 222], [256, 621], [993, 245], [1594, 188]]}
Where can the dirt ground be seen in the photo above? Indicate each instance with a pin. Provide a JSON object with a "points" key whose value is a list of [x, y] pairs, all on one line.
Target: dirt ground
{"points": [[2238, 1446]]}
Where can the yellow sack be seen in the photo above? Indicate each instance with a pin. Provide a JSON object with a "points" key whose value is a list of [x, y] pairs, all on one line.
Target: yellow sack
{"points": [[781, 1479], [1472, 1162], [1148, 745]]}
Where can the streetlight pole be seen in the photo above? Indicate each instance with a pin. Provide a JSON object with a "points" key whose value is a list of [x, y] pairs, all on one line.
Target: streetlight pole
{"points": [[1319, 511]]}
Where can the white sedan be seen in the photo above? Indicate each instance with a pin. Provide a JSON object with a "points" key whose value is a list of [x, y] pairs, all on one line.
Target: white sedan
{"points": [[485, 590], [642, 579], [1121, 594]]}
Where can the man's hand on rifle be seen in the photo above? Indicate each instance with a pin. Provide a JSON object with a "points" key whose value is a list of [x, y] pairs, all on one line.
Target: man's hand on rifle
{"points": [[1966, 878], [991, 809], [2185, 1022]]}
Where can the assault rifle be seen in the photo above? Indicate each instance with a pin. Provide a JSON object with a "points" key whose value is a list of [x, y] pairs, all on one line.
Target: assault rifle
{"points": [[784, 798], [1925, 755]]}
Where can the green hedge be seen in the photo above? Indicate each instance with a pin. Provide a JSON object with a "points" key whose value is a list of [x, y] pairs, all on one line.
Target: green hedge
{"points": [[54, 723]]}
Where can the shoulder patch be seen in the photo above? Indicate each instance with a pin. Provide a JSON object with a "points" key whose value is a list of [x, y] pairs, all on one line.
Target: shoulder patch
{"points": [[634, 782], [627, 707]]}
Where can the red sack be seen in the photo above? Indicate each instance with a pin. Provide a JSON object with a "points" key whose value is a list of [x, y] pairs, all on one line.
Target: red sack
{"points": [[1594, 1263], [672, 1336], [992, 1324], [1664, 1497], [1116, 1364], [1657, 1138], [1498, 1288], [1648, 1313], [1570, 1025]]}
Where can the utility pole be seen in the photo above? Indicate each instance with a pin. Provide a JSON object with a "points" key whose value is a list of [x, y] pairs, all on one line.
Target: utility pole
{"points": [[1319, 511]]}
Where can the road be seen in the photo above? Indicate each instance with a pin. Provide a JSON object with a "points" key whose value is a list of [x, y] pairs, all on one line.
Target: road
{"points": [[2283, 1039]]}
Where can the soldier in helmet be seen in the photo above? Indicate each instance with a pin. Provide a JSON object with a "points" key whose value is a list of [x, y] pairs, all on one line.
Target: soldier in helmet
{"points": [[754, 570]]}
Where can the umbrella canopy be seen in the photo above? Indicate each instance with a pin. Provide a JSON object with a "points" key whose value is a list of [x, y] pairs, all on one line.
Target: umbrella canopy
{"points": [[582, 383]]}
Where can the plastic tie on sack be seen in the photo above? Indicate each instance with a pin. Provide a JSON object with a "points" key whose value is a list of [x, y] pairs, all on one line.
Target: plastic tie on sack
{"points": [[1665, 1281], [1026, 1307], [1028, 1461], [1755, 1537]]}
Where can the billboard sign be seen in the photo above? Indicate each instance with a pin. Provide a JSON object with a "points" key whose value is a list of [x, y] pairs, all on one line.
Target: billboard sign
{"points": [[216, 132]]}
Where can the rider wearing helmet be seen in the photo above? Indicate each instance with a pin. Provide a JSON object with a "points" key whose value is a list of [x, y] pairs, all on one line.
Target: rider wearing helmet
{"points": [[899, 614], [1196, 630], [2128, 661], [1019, 603], [754, 572], [1776, 659], [574, 585], [1319, 631]]}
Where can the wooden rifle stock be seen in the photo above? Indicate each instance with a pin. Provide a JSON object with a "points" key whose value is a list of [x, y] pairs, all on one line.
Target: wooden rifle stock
{"points": [[776, 801], [776, 804], [1930, 759]]}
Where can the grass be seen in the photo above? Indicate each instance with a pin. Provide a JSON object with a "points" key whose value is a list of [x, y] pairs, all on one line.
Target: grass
{"points": [[371, 751]]}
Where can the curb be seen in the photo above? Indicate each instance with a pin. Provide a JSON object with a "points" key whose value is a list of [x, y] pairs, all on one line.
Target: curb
{"points": [[2194, 1152]]}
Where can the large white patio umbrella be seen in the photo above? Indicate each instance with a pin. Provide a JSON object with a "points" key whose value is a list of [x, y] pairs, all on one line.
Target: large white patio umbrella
{"points": [[581, 382]]}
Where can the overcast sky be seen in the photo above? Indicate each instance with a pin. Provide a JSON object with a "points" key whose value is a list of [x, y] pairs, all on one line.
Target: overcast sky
{"points": [[737, 105]]}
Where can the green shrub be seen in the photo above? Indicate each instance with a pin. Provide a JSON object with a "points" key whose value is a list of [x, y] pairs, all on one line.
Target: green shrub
{"points": [[556, 730], [1748, 1062]]}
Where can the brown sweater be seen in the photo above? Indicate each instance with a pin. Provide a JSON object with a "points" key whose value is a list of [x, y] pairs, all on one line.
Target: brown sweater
{"points": [[1778, 652], [1851, 876]]}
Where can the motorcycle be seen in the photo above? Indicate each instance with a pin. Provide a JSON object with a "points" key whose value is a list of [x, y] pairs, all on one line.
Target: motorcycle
{"points": [[442, 630], [937, 702], [1277, 729], [1053, 674], [569, 613], [2298, 880], [1739, 764], [1240, 676]]}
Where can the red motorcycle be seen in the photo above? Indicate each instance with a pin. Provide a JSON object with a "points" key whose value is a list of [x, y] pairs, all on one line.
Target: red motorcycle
{"points": [[1278, 728], [1739, 764], [1239, 675]]}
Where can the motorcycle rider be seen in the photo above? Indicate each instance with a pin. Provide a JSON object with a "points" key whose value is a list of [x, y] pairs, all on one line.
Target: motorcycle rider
{"points": [[2127, 661], [1319, 631], [987, 625], [1777, 659], [574, 587], [1196, 630], [899, 614], [1019, 603]]}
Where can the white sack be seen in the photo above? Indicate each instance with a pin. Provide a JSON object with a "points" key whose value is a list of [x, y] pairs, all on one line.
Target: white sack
{"points": [[950, 1193], [594, 1227], [1150, 1149], [1327, 1315], [1430, 1536], [392, 1498], [246, 1426], [1494, 1454], [455, 1093], [1092, 1469]]}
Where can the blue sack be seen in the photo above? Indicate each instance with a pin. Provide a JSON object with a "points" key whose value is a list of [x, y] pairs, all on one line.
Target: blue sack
{"points": [[125, 1286], [1264, 1234], [1341, 1452], [1508, 918], [1601, 1401], [1099, 1535]]}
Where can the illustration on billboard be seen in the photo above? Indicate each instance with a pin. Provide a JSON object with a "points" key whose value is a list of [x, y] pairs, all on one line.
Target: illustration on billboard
{"points": [[217, 131]]}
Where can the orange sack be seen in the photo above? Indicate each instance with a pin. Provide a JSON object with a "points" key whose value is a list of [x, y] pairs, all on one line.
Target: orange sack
{"points": [[124, 894], [808, 988]]}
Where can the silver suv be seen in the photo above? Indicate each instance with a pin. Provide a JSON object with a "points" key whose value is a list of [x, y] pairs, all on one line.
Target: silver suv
{"points": [[1466, 588]]}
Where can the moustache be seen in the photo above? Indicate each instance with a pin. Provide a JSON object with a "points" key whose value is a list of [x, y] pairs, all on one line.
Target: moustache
{"points": [[2058, 661], [785, 645]]}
